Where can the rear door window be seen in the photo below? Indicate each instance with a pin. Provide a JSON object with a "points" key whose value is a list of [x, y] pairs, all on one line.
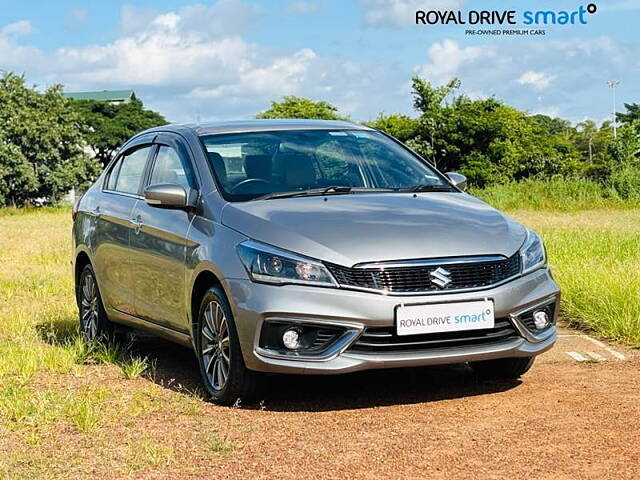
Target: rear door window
{"points": [[113, 175]]}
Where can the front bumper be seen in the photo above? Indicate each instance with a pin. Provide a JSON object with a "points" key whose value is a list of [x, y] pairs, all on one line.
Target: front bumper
{"points": [[254, 303]]}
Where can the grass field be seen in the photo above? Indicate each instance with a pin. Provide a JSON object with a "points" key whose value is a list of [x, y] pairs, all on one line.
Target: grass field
{"points": [[68, 409]]}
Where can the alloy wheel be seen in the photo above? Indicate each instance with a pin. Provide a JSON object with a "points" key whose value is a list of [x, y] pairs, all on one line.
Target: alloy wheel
{"points": [[89, 308], [215, 345]]}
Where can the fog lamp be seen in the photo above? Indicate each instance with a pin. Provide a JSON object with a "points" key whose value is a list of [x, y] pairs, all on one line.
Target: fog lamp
{"points": [[291, 339], [540, 319]]}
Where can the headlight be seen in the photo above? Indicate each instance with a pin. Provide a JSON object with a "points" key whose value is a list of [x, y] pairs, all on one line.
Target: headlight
{"points": [[532, 252], [272, 265]]}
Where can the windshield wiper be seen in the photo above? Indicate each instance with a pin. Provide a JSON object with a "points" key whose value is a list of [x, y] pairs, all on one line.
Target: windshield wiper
{"points": [[334, 189], [423, 187], [331, 190]]}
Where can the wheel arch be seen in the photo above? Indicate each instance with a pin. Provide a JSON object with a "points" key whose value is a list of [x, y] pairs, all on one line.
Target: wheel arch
{"points": [[204, 280], [81, 260]]}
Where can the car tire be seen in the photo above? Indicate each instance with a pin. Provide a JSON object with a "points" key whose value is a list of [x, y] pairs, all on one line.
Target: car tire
{"points": [[226, 379], [503, 368], [95, 326]]}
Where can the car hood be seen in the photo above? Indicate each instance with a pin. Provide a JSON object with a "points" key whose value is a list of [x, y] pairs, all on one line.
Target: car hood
{"points": [[355, 228]]}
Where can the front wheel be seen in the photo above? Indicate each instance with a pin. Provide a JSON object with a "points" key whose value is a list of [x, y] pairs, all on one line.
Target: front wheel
{"points": [[503, 368], [224, 374]]}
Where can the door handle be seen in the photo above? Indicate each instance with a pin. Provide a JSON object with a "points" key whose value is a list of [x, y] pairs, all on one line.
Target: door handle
{"points": [[137, 221]]}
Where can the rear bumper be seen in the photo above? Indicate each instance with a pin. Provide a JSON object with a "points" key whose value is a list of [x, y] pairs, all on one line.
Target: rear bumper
{"points": [[254, 303]]}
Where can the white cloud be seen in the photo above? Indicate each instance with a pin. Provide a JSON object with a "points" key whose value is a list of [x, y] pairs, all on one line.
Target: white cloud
{"points": [[304, 8], [14, 56], [78, 14], [284, 76], [16, 29], [538, 80], [187, 66], [572, 73], [193, 45], [447, 57], [218, 20], [400, 13]]}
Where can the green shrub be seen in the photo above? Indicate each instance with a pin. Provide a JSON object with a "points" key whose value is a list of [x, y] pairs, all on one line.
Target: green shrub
{"points": [[626, 182], [556, 194]]}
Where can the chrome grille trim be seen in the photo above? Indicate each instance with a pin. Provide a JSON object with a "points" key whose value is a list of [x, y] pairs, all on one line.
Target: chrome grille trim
{"points": [[372, 339], [429, 262], [412, 277]]}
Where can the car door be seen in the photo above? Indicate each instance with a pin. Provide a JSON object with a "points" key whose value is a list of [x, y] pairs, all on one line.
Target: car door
{"points": [[159, 243], [121, 191]]}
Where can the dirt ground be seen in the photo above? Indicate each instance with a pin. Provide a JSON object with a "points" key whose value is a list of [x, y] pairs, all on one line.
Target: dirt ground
{"points": [[575, 415], [565, 419]]}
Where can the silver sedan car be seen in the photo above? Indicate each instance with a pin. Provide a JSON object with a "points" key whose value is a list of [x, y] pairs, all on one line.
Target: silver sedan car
{"points": [[307, 247]]}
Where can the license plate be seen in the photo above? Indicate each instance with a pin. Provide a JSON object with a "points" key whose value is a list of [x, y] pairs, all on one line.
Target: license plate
{"points": [[444, 317]]}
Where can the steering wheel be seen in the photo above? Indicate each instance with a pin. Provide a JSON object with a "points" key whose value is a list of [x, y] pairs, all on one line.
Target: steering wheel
{"points": [[249, 181]]}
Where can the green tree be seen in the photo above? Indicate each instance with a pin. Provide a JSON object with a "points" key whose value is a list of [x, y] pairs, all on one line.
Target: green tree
{"points": [[632, 114], [625, 149], [298, 107], [556, 126], [486, 140], [399, 126], [40, 144], [429, 101], [108, 126]]}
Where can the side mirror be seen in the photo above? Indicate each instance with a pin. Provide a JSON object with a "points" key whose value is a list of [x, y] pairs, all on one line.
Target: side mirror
{"points": [[457, 179], [166, 195]]}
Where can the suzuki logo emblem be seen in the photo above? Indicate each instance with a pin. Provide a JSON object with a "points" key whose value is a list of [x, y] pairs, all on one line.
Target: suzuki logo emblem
{"points": [[440, 277]]}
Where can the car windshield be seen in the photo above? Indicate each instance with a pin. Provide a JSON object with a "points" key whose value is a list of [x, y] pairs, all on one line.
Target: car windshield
{"points": [[315, 162]]}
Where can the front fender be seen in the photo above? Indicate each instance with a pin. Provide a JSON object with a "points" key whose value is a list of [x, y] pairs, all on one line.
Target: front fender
{"points": [[212, 249]]}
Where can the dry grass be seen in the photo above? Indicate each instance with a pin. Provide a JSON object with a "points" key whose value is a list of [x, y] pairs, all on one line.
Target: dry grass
{"points": [[56, 390]]}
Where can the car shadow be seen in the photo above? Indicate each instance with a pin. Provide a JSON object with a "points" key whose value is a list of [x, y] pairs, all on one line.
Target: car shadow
{"points": [[176, 368]]}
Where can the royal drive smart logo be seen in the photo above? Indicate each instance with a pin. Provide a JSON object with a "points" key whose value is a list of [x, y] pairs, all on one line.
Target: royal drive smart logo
{"points": [[484, 22]]}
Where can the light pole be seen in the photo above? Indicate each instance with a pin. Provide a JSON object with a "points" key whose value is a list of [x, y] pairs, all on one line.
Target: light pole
{"points": [[613, 84]]}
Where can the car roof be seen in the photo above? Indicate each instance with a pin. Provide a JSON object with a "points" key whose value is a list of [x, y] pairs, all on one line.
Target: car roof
{"points": [[261, 125]]}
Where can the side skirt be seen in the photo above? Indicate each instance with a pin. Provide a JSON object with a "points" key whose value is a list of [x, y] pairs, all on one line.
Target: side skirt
{"points": [[177, 336]]}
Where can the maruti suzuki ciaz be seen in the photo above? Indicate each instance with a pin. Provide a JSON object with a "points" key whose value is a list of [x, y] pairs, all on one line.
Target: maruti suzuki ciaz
{"points": [[307, 247]]}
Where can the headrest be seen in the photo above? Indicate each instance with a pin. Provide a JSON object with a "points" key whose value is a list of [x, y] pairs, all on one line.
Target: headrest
{"points": [[258, 166], [217, 162], [299, 171]]}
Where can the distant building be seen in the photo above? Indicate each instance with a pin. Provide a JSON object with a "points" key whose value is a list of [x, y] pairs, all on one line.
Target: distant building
{"points": [[111, 96]]}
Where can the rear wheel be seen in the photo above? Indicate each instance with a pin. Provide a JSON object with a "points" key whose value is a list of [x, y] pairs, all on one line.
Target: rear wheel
{"points": [[503, 368], [224, 374], [94, 324]]}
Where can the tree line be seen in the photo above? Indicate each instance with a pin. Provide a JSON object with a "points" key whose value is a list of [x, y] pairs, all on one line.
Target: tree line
{"points": [[493, 143], [50, 144]]}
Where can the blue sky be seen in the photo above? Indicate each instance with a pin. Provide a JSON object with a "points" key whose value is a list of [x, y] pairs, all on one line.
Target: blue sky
{"points": [[230, 58]]}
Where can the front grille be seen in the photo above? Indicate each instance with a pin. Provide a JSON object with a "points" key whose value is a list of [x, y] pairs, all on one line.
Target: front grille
{"points": [[417, 279], [385, 339]]}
